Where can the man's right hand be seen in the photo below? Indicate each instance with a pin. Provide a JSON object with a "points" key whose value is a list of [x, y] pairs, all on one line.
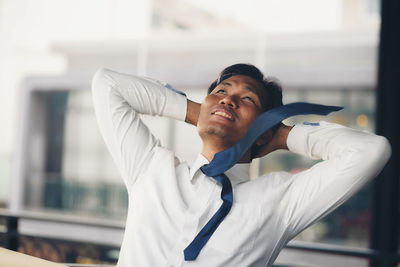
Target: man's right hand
{"points": [[192, 113]]}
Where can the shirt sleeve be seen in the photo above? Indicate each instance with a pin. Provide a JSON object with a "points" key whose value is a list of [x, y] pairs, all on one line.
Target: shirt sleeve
{"points": [[351, 159], [118, 100]]}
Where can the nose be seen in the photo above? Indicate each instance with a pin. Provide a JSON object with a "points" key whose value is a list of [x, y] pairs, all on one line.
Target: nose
{"points": [[229, 100]]}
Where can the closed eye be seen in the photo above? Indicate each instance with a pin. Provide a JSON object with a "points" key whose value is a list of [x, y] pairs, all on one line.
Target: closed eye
{"points": [[250, 99]]}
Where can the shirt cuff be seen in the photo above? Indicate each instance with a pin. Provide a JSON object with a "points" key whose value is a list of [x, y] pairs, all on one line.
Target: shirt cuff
{"points": [[298, 138], [175, 106]]}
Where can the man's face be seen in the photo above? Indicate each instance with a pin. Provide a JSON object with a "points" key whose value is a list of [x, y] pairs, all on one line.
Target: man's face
{"points": [[228, 111]]}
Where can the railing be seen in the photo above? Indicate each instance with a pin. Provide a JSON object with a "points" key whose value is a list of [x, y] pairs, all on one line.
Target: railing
{"points": [[11, 231], [42, 229]]}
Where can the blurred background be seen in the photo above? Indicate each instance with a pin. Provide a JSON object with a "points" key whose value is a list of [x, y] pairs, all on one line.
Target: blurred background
{"points": [[59, 186]]}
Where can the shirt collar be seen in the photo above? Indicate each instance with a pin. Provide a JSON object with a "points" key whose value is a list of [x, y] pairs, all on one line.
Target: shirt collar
{"points": [[239, 173]]}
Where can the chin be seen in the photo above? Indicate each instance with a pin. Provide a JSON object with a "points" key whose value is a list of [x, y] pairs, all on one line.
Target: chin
{"points": [[214, 132]]}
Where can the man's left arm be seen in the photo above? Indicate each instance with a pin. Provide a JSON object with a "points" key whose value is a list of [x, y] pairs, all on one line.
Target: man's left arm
{"points": [[351, 159]]}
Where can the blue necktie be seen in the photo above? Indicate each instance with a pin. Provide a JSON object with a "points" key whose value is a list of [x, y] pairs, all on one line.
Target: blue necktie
{"points": [[225, 160]]}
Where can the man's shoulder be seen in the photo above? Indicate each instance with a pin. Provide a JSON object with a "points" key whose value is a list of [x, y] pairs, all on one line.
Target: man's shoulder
{"points": [[273, 178], [162, 155], [268, 188]]}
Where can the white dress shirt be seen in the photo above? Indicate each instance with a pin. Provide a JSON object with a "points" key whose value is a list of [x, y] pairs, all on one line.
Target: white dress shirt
{"points": [[170, 201]]}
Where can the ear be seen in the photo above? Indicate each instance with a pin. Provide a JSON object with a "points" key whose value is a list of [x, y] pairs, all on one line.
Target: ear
{"points": [[265, 138]]}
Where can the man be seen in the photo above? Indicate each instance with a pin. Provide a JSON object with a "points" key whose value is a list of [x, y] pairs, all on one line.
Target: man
{"points": [[170, 201]]}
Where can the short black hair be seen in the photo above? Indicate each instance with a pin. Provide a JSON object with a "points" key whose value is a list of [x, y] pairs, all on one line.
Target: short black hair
{"points": [[271, 85]]}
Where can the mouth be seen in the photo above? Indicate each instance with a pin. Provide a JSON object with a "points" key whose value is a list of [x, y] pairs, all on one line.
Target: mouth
{"points": [[223, 113]]}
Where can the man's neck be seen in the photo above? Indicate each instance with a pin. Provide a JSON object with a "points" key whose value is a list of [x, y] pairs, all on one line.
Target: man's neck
{"points": [[209, 151]]}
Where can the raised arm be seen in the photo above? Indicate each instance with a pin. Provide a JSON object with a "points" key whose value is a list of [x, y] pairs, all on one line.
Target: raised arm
{"points": [[192, 113], [118, 99], [352, 158]]}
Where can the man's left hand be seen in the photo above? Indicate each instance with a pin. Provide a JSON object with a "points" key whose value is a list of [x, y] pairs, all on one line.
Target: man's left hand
{"points": [[270, 142]]}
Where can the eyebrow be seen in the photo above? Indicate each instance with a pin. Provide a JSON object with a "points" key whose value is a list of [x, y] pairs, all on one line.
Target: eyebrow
{"points": [[248, 88]]}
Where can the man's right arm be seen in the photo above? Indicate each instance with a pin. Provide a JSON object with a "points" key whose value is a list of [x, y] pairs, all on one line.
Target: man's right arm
{"points": [[192, 112], [118, 100]]}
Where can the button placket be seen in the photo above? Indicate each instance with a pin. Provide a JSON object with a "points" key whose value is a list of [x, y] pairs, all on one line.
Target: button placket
{"points": [[189, 225], [200, 207]]}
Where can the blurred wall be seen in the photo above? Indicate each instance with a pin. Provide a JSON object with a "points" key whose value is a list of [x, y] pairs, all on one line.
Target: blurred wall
{"points": [[28, 28]]}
